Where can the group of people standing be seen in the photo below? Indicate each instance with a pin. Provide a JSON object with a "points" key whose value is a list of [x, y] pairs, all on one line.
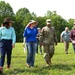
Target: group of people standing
{"points": [[67, 37], [32, 36]]}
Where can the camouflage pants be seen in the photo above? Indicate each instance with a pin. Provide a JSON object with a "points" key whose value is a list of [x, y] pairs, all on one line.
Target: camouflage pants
{"points": [[48, 52]]}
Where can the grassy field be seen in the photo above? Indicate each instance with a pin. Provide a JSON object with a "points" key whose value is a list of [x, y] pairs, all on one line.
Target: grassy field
{"points": [[62, 64]]}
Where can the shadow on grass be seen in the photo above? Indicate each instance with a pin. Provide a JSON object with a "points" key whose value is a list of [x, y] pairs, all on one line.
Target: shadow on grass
{"points": [[39, 70], [29, 71], [73, 66], [59, 67], [43, 70], [13, 72]]}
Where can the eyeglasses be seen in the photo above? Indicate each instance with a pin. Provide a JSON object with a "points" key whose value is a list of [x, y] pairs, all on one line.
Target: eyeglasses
{"points": [[49, 21]]}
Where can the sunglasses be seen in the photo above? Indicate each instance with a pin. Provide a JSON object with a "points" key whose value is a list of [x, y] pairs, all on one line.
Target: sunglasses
{"points": [[49, 21]]}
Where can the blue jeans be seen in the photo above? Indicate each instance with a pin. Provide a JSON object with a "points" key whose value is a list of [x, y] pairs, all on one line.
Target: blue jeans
{"points": [[31, 48], [38, 45], [5, 48]]}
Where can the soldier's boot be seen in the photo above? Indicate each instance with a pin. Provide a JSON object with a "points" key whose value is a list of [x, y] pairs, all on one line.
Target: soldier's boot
{"points": [[47, 63], [66, 51]]}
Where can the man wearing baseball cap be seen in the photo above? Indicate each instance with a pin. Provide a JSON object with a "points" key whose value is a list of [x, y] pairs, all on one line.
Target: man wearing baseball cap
{"points": [[48, 21], [47, 38]]}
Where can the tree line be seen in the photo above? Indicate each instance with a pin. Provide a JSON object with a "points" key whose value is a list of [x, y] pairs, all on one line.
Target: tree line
{"points": [[23, 16]]}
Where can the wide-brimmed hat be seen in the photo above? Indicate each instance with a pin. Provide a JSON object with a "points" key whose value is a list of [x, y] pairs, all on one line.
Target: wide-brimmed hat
{"points": [[6, 20], [48, 21], [31, 22]]}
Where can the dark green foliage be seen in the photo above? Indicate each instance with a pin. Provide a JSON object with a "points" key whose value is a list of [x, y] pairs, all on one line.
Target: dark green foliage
{"points": [[5, 11]]}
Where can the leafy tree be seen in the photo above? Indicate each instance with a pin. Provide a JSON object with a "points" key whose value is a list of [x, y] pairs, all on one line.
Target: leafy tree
{"points": [[5, 11], [70, 23], [41, 22], [22, 18], [34, 16]]}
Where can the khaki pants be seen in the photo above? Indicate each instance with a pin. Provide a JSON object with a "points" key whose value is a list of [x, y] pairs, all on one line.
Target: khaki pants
{"points": [[66, 46]]}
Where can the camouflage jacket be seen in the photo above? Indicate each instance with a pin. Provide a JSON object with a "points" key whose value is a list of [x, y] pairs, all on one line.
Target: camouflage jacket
{"points": [[48, 35]]}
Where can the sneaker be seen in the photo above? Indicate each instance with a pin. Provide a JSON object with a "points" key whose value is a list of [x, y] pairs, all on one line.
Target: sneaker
{"points": [[28, 65], [47, 64], [8, 66], [45, 55]]}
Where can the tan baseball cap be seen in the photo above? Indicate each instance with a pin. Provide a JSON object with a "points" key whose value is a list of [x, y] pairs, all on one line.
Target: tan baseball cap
{"points": [[48, 21]]}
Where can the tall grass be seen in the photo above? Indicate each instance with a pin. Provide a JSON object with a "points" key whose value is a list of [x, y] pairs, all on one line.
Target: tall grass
{"points": [[62, 64]]}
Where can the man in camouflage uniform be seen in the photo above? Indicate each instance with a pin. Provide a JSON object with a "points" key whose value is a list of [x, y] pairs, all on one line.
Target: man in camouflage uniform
{"points": [[47, 38]]}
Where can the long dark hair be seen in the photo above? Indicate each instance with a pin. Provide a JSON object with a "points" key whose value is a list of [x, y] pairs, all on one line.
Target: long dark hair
{"points": [[7, 25]]}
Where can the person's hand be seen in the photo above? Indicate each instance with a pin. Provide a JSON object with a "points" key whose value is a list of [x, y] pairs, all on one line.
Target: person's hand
{"points": [[73, 42], [13, 45], [23, 44], [41, 44]]}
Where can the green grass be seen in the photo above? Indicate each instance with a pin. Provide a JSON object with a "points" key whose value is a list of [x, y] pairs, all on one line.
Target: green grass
{"points": [[62, 64]]}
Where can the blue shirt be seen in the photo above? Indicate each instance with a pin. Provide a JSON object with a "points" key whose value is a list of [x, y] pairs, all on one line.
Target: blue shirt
{"points": [[30, 34], [8, 34], [65, 36]]}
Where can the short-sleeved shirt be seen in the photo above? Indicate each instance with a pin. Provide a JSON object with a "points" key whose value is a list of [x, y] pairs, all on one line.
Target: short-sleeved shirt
{"points": [[30, 34], [65, 36]]}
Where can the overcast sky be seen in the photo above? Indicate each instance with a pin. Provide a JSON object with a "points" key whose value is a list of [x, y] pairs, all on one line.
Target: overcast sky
{"points": [[65, 8]]}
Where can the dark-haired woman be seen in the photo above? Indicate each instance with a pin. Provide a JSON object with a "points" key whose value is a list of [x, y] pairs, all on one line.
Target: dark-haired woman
{"points": [[7, 42]]}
